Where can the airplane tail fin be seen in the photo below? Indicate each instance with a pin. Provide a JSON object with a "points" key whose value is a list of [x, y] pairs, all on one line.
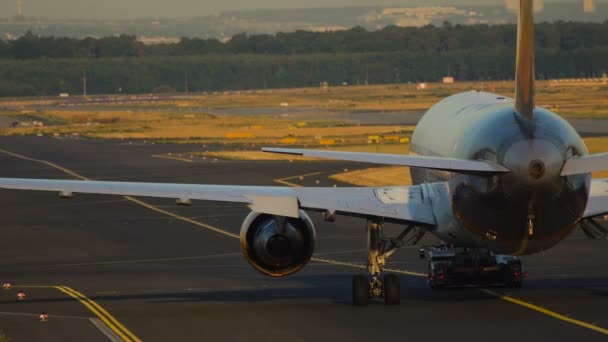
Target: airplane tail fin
{"points": [[524, 70]]}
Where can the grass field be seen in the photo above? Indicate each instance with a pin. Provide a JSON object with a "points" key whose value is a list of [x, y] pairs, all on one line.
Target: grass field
{"points": [[569, 100], [201, 127], [176, 124], [182, 118]]}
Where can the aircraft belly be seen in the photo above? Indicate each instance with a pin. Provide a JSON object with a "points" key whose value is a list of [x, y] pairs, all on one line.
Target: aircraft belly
{"points": [[448, 229]]}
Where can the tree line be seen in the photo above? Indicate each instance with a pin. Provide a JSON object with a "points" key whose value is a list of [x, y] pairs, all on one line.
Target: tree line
{"points": [[564, 36], [32, 66]]}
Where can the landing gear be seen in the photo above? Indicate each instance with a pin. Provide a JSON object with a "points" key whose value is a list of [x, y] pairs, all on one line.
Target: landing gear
{"points": [[379, 250]]}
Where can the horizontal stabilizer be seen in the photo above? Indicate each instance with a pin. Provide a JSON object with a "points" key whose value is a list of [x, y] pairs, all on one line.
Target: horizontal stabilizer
{"points": [[435, 163], [586, 164]]}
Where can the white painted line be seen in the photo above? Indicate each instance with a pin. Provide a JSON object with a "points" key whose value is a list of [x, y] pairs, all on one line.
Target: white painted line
{"points": [[112, 336], [38, 315]]}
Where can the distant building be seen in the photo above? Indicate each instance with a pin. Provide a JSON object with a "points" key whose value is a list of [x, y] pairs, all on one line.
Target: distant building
{"points": [[589, 6], [158, 40], [448, 80], [334, 28]]}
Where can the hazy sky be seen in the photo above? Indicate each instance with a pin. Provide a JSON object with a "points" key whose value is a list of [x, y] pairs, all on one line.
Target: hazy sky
{"points": [[170, 8], [189, 8]]}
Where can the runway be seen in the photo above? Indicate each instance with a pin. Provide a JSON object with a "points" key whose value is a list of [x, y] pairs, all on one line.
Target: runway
{"points": [[157, 277]]}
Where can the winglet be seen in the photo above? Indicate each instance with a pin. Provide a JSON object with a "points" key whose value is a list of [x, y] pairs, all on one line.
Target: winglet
{"points": [[524, 70]]}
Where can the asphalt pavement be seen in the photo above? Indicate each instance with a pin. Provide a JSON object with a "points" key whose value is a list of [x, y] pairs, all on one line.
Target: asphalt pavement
{"points": [[106, 267]]}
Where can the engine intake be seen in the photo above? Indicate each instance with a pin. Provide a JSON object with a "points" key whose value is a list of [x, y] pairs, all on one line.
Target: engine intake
{"points": [[277, 246]]}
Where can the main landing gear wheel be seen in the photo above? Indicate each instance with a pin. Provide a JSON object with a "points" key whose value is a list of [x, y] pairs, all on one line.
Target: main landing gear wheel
{"points": [[377, 285], [360, 290], [392, 290]]}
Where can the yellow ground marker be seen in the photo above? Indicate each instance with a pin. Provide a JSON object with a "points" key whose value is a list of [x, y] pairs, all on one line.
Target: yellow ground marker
{"points": [[173, 158], [333, 262]]}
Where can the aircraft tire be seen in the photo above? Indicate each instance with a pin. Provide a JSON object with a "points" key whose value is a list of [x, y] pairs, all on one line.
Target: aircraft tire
{"points": [[360, 290], [392, 289]]}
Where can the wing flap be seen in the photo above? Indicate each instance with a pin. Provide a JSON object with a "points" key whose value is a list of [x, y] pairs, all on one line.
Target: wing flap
{"points": [[284, 201], [436, 163]]}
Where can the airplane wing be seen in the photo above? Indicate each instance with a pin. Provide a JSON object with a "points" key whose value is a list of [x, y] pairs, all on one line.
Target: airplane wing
{"points": [[436, 163], [402, 204], [586, 164], [598, 198]]}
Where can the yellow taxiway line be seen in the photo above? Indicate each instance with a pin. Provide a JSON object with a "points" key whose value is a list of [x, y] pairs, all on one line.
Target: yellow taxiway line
{"points": [[285, 180], [332, 262], [100, 312], [173, 158], [129, 198], [107, 318], [545, 311]]}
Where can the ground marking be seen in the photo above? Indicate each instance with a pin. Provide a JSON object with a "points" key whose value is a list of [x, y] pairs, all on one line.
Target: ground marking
{"points": [[333, 262], [38, 315], [142, 261], [545, 311], [132, 199], [110, 321], [173, 158], [285, 180], [100, 312], [111, 335]]}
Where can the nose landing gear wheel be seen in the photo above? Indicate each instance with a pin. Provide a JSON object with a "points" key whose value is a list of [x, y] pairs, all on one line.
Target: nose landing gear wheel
{"points": [[392, 290], [360, 290]]}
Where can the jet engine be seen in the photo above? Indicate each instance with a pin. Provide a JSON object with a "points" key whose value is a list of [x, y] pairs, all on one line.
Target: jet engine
{"points": [[277, 246]]}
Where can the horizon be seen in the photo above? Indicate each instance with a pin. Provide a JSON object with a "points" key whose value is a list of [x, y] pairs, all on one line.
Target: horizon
{"points": [[140, 9]]}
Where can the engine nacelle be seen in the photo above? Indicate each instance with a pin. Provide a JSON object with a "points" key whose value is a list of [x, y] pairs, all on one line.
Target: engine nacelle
{"points": [[277, 246]]}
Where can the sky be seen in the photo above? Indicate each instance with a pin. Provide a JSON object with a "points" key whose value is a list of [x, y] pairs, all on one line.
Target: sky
{"points": [[120, 9]]}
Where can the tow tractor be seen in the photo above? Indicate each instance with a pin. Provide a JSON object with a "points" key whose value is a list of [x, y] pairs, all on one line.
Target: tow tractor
{"points": [[455, 267]]}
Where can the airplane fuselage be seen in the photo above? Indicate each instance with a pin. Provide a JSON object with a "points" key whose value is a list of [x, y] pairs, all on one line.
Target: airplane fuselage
{"points": [[525, 211]]}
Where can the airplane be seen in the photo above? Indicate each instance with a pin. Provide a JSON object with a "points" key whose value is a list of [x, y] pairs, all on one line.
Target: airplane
{"points": [[489, 172]]}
